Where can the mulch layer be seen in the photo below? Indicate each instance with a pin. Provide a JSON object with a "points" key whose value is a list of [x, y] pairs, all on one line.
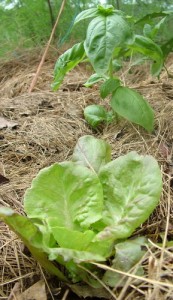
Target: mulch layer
{"points": [[47, 127]]}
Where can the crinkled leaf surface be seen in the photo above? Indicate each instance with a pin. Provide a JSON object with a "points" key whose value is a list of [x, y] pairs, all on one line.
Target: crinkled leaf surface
{"points": [[92, 153], [104, 33], [31, 237], [132, 106], [68, 192], [66, 62], [71, 239], [127, 255], [132, 187], [74, 255], [81, 241], [103, 248]]}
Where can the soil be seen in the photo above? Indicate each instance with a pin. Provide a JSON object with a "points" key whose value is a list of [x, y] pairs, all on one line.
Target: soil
{"points": [[48, 125]]}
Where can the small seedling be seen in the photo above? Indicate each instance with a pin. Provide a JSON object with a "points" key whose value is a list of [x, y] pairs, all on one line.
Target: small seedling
{"points": [[109, 39]]}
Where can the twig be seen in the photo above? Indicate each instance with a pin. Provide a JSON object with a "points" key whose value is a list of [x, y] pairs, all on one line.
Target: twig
{"points": [[100, 281], [156, 290], [154, 282], [50, 292], [34, 81], [17, 278], [65, 295]]}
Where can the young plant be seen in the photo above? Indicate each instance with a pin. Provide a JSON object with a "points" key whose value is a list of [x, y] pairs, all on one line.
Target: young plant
{"points": [[84, 211], [109, 38]]}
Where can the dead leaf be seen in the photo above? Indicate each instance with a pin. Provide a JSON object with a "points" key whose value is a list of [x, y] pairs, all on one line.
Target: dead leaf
{"points": [[15, 291], [35, 292], [4, 123]]}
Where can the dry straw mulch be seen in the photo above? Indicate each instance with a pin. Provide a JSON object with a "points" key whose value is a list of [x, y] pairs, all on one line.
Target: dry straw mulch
{"points": [[49, 125]]}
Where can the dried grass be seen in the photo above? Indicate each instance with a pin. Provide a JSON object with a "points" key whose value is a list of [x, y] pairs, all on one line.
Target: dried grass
{"points": [[49, 125]]}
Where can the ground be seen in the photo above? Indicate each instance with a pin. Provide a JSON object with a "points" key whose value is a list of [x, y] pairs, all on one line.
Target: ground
{"points": [[46, 126]]}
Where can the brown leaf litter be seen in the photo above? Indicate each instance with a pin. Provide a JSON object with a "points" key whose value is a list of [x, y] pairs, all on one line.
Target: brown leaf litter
{"points": [[36, 292], [49, 125]]}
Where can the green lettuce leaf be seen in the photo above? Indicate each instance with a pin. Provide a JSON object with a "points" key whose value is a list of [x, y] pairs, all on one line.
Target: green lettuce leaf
{"points": [[71, 239], [92, 153], [74, 255], [31, 237], [127, 256], [68, 192], [132, 187]]}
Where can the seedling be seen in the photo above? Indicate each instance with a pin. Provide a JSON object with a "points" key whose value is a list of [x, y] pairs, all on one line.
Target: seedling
{"points": [[84, 211], [109, 39]]}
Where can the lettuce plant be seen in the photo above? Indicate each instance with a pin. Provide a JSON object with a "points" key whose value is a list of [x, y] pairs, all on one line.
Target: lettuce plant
{"points": [[109, 39], [84, 210]]}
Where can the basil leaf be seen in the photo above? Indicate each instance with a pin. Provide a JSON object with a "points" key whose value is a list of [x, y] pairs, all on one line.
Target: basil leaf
{"points": [[109, 86], [132, 106], [104, 33], [95, 115], [66, 62], [94, 78], [86, 14], [148, 48]]}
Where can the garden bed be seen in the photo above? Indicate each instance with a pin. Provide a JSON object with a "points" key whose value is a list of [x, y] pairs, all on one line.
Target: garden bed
{"points": [[47, 127]]}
